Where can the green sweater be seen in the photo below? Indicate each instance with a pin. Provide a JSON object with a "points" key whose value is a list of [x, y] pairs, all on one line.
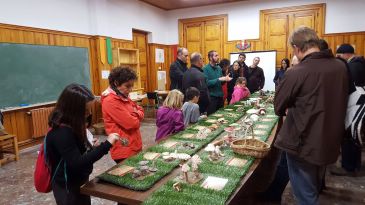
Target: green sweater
{"points": [[214, 85]]}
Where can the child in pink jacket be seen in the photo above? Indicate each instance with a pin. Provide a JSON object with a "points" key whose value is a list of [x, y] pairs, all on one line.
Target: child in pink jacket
{"points": [[240, 90]]}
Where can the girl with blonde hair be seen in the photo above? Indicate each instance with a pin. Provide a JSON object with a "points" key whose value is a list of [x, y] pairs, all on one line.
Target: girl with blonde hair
{"points": [[170, 118]]}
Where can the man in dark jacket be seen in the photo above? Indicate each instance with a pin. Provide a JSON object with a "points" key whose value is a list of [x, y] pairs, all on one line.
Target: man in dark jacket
{"points": [[255, 76], [213, 73], [351, 145], [178, 68], [356, 63], [194, 77], [241, 60], [312, 132]]}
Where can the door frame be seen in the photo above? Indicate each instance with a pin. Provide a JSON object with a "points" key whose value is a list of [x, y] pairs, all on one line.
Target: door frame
{"points": [[223, 17], [321, 8]]}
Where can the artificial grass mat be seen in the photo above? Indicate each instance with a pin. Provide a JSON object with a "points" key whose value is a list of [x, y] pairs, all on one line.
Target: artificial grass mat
{"points": [[193, 194]]}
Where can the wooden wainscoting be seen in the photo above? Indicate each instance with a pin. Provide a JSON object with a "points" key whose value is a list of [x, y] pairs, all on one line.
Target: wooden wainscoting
{"points": [[356, 39], [154, 67]]}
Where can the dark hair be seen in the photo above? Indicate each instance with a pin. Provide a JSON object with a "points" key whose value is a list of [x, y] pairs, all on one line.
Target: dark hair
{"points": [[240, 80], [71, 109], [210, 54], [224, 63], [236, 61], [242, 54], [191, 92], [323, 45], [120, 75], [287, 63]]}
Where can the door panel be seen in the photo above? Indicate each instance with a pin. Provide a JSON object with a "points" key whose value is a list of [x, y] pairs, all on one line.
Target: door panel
{"points": [[277, 35], [203, 36], [193, 37], [140, 42], [304, 19], [213, 38], [279, 24]]}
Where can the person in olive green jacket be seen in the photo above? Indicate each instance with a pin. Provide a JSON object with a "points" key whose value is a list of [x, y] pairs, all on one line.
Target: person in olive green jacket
{"points": [[214, 78]]}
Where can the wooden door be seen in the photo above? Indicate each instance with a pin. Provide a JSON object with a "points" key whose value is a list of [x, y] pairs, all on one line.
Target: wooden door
{"points": [[140, 42], [193, 33], [213, 38], [203, 34], [304, 18], [276, 35], [277, 25]]}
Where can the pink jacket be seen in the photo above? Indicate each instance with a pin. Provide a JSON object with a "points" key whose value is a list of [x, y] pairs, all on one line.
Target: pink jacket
{"points": [[239, 93]]}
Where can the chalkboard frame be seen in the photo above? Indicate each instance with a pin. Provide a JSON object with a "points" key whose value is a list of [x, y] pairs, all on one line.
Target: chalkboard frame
{"points": [[33, 74]]}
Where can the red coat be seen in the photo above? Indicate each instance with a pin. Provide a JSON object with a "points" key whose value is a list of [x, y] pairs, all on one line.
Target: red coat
{"points": [[123, 116]]}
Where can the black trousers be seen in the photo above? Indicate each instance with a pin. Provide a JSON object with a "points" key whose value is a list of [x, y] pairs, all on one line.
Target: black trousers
{"points": [[215, 104], [351, 154], [69, 196]]}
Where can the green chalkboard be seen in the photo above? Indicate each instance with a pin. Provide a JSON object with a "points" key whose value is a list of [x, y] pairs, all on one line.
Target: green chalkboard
{"points": [[31, 74]]}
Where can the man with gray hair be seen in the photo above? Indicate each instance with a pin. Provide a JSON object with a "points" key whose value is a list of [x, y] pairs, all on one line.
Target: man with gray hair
{"points": [[194, 77], [312, 131], [178, 68]]}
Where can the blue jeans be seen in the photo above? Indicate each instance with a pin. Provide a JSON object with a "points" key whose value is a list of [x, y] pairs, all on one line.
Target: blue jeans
{"points": [[306, 180]]}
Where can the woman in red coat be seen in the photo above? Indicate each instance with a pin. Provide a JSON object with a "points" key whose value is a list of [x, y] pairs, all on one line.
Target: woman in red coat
{"points": [[122, 115]]}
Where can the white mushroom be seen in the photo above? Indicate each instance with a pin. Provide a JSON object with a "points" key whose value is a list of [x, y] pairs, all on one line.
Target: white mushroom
{"points": [[210, 148], [185, 168], [183, 156]]}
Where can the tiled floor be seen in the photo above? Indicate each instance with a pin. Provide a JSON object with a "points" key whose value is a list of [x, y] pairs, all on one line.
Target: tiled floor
{"points": [[16, 180]]}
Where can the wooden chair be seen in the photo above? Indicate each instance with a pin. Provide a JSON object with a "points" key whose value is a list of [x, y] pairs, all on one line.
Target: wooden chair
{"points": [[8, 144]]}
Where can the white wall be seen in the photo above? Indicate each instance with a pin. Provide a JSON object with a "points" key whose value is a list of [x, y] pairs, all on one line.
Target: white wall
{"points": [[244, 17], [65, 15], [116, 18]]}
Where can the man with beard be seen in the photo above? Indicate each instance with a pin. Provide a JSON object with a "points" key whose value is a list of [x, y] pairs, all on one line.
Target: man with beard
{"points": [[213, 74], [241, 60]]}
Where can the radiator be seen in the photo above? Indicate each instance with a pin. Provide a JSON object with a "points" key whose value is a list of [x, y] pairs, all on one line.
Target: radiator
{"points": [[40, 121]]}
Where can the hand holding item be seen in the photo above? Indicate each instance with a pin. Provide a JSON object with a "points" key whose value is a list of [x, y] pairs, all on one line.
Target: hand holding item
{"points": [[96, 142], [113, 137]]}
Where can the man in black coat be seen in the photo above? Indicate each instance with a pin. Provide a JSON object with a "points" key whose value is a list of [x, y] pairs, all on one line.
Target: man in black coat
{"points": [[255, 76], [194, 77], [351, 145], [178, 68], [241, 60], [356, 63]]}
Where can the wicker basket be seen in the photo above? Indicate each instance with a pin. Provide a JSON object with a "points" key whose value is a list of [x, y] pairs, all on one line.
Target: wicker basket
{"points": [[251, 147]]}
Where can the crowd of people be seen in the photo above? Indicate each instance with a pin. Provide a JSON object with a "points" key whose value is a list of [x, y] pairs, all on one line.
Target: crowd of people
{"points": [[311, 137]]}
